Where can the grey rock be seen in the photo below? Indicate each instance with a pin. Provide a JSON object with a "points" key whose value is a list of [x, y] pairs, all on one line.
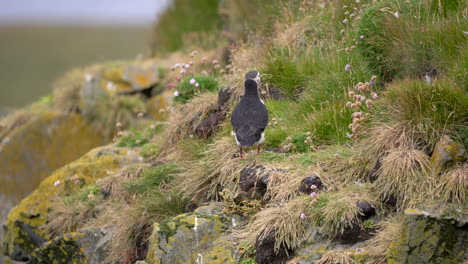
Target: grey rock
{"points": [[88, 247], [430, 237]]}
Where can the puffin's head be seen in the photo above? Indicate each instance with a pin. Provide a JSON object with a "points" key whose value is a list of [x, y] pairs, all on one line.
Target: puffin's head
{"points": [[251, 87], [254, 75]]}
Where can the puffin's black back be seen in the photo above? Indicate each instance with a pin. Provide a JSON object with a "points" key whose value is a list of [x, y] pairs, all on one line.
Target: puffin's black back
{"points": [[250, 117]]}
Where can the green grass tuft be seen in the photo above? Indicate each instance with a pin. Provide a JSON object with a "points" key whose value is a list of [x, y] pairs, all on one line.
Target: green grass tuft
{"points": [[413, 43], [187, 90], [136, 138], [152, 178], [427, 111]]}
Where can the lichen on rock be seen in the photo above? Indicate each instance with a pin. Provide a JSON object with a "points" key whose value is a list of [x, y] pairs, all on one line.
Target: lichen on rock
{"points": [[430, 238], [23, 232], [185, 238]]}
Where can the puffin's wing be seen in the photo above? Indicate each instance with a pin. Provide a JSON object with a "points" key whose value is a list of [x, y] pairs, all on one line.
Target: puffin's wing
{"points": [[251, 120]]}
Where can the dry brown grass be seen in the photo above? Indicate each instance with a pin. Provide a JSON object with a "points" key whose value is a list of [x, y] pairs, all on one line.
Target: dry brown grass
{"points": [[245, 57], [133, 223], [341, 212], [112, 186], [336, 257], [69, 216], [388, 231], [406, 174], [385, 137], [285, 180], [216, 170], [453, 185], [186, 117], [285, 221]]}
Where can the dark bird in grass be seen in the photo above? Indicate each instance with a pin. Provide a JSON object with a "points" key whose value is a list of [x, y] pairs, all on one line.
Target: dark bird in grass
{"points": [[250, 117]]}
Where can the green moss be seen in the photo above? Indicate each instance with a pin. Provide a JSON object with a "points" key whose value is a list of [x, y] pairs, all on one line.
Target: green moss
{"points": [[33, 209]]}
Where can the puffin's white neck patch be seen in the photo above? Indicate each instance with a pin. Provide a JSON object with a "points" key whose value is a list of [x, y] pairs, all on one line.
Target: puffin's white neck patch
{"points": [[257, 78]]}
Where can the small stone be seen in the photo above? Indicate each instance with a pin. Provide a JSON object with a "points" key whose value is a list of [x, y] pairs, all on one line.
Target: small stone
{"points": [[308, 182], [366, 209]]}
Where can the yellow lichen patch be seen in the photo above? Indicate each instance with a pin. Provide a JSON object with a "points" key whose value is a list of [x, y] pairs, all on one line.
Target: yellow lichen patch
{"points": [[64, 181], [40, 146], [413, 211], [128, 77]]}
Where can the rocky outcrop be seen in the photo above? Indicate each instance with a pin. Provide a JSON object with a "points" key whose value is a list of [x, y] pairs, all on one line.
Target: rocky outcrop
{"points": [[446, 151], [430, 238], [210, 123], [200, 237], [87, 247], [265, 251], [42, 145], [22, 228]]}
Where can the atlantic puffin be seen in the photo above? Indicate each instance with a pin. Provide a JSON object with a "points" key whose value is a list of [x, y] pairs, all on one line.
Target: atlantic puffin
{"points": [[250, 116]]}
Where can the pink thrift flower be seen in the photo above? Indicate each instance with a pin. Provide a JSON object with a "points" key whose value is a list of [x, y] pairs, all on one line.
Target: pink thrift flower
{"points": [[56, 183], [313, 194], [196, 84], [313, 187], [347, 67], [176, 93], [192, 81], [361, 37], [303, 216], [374, 95]]}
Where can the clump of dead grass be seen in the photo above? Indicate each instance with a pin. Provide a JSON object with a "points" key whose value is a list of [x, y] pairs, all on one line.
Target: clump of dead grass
{"points": [[68, 214], [388, 231], [217, 169], [339, 209], [285, 221], [113, 185], [185, 118], [405, 174], [285, 181], [385, 137], [336, 257], [453, 185], [292, 220], [134, 223]]}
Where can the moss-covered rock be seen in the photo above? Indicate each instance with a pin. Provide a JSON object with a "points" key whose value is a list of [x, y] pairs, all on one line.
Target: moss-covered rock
{"points": [[446, 151], [88, 247], [430, 238], [199, 237], [22, 228], [125, 78], [31, 152]]}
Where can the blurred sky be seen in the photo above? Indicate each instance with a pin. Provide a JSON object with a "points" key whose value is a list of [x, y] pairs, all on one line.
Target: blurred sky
{"points": [[121, 12]]}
